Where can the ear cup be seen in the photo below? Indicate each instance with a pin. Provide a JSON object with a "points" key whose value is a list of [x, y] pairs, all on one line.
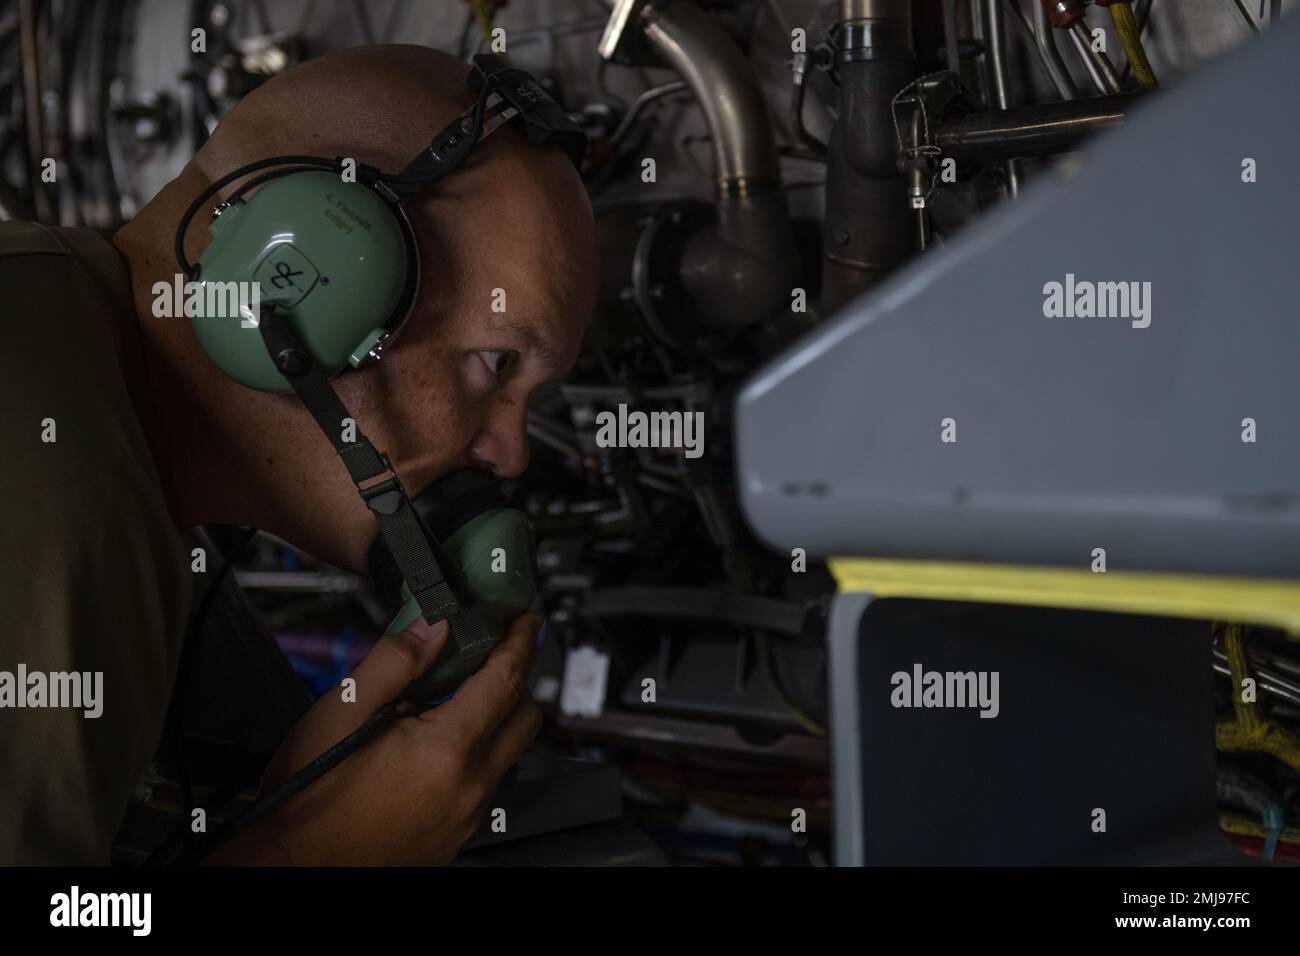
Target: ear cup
{"points": [[335, 258]]}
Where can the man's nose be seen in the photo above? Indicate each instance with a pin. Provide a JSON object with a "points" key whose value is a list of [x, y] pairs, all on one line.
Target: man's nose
{"points": [[502, 445]]}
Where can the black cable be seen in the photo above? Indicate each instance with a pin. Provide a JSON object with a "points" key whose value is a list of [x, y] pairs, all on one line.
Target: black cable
{"points": [[266, 177], [267, 804], [187, 267], [365, 174], [176, 840]]}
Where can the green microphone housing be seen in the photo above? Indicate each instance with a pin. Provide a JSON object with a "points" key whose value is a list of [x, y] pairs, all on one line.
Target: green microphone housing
{"points": [[335, 258], [496, 556]]}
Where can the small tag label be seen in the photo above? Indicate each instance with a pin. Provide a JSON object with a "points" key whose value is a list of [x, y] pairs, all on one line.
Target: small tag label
{"points": [[286, 275], [585, 672]]}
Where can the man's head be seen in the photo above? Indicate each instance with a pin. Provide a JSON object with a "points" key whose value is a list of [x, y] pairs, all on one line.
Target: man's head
{"points": [[452, 389]]}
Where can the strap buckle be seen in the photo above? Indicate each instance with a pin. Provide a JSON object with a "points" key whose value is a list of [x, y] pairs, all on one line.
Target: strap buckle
{"points": [[383, 497]]}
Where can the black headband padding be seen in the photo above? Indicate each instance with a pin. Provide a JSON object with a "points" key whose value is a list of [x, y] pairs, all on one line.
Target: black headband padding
{"points": [[540, 117]]}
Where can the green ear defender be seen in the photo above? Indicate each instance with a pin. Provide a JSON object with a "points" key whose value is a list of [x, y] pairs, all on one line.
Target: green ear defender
{"points": [[489, 551], [497, 560], [337, 259]]}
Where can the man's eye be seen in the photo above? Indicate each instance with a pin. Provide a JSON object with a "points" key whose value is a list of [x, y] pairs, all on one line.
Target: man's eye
{"points": [[496, 362]]}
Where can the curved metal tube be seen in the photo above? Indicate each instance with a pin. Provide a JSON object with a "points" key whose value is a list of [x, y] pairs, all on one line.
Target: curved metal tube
{"points": [[728, 93], [1050, 54], [1097, 63], [741, 270], [642, 101]]}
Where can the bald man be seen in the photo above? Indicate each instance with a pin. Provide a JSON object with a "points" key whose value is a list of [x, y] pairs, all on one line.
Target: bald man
{"points": [[119, 432]]}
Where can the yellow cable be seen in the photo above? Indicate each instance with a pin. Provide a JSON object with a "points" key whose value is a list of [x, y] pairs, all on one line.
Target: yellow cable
{"points": [[1249, 731], [1130, 37], [1243, 826]]}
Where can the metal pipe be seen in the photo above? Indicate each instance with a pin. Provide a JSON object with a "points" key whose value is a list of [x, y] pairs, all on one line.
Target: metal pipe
{"points": [[952, 51], [1085, 57], [799, 72], [869, 226], [1029, 130], [727, 90], [985, 82], [1045, 38], [642, 101], [741, 270], [41, 193], [918, 188], [1098, 64], [1245, 15], [1269, 681], [994, 31]]}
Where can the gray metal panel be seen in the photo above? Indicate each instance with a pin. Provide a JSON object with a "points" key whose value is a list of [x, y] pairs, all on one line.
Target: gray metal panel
{"points": [[1071, 433], [849, 823]]}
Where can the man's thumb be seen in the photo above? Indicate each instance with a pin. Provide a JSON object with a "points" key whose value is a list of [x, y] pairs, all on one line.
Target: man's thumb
{"points": [[397, 660]]}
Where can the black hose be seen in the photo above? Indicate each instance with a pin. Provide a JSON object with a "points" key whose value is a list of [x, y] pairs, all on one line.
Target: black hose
{"points": [[268, 803], [952, 51], [745, 610], [1239, 788]]}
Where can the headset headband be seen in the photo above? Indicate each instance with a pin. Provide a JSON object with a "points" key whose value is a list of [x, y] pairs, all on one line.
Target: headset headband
{"points": [[505, 94]]}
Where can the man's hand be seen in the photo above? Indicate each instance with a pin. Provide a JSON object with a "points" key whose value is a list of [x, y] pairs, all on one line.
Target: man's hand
{"points": [[418, 791]]}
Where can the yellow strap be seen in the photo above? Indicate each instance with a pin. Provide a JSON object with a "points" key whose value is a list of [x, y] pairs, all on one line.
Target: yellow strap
{"points": [[1259, 601]]}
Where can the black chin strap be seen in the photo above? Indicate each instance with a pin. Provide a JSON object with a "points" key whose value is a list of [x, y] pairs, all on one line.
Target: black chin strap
{"points": [[417, 553]]}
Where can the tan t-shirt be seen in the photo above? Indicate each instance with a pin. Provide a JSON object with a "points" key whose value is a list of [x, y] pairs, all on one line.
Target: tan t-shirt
{"points": [[93, 578]]}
